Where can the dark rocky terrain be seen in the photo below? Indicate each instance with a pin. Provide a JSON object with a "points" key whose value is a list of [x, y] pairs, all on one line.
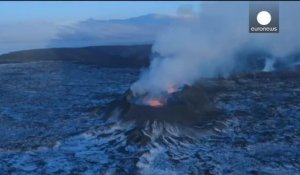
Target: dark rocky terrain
{"points": [[58, 117]]}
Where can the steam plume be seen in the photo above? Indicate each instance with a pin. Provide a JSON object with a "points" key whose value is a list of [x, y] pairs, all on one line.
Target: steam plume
{"points": [[208, 44]]}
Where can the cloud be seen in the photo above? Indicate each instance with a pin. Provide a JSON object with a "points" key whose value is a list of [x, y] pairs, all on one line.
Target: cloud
{"points": [[138, 30], [216, 42], [43, 34]]}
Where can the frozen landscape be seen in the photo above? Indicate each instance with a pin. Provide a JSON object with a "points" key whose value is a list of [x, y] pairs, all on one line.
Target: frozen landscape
{"points": [[144, 88], [52, 122]]}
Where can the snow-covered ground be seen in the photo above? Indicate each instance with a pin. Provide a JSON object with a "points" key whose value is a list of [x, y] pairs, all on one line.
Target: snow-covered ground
{"points": [[51, 123]]}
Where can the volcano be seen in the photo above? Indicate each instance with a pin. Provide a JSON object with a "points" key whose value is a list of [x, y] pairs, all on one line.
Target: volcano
{"points": [[243, 124], [191, 106], [194, 105]]}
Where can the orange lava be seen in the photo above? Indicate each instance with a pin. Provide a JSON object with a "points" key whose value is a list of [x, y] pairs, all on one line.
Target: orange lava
{"points": [[155, 103]]}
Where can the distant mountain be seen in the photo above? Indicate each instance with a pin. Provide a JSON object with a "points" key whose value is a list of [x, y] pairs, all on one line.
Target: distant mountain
{"points": [[90, 32], [134, 56], [137, 30]]}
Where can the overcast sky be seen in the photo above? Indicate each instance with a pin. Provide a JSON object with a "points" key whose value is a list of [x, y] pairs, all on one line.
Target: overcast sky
{"points": [[27, 25], [80, 10]]}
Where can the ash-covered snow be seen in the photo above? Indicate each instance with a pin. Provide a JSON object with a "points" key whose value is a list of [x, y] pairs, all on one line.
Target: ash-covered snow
{"points": [[51, 123]]}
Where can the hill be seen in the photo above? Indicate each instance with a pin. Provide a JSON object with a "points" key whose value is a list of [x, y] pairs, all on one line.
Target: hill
{"points": [[134, 56]]}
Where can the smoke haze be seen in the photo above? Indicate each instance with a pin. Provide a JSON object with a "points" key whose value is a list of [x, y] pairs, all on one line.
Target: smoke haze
{"points": [[214, 42]]}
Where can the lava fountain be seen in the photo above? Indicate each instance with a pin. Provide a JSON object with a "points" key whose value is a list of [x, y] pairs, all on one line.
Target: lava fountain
{"points": [[158, 101], [155, 103]]}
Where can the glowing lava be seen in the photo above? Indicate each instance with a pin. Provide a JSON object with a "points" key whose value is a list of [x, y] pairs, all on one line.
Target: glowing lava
{"points": [[155, 103]]}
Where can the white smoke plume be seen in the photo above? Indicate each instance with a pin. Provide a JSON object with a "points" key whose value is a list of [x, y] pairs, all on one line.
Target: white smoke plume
{"points": [[207, 44], [269, 65]]}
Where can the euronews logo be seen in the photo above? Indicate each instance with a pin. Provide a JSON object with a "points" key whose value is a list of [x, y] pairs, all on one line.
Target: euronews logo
{"points": [[264, 17]]}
